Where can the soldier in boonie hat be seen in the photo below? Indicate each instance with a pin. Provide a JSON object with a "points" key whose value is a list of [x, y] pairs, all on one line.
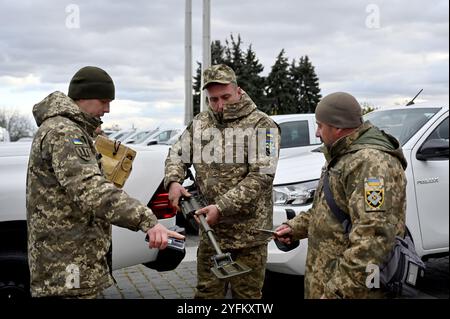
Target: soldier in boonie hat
{"points": [[219, 73]]}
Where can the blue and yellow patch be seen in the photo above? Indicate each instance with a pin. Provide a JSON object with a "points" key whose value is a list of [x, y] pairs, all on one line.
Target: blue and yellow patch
{"points": [[374, 193], [373, 182], [77, 141], [82, 148], [270, 144]]}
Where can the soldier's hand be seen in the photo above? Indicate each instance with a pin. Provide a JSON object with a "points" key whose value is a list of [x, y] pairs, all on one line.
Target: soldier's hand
{"points": [[283, 233], [158, 234], [175, 192], [211, 212]]}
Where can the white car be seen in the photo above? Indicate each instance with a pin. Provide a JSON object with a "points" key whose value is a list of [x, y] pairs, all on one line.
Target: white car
{"points": [[424, 135], [121, 135], [298, 134], [139, 135], [162, 136]]}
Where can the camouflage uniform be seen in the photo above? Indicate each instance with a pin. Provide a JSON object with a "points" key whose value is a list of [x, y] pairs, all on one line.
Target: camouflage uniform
{"points": [[71, 206], [365, 162], [242, 192]]}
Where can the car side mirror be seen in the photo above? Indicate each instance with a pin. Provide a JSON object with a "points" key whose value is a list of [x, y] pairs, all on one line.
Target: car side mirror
{"points": [[435, 149], [152, 142]]}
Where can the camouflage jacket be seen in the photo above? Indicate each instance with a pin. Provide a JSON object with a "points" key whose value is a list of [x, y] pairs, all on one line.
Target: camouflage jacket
{"points": [[70, 205], [367, 180], [239, 182]]}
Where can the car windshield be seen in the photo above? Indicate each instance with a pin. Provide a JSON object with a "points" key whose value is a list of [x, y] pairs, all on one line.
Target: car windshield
{"points": [[144, 136], [401, 123]]}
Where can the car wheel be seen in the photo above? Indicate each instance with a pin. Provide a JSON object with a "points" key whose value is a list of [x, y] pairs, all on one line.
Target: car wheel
{"points": [[291, 286], [14, 276]]}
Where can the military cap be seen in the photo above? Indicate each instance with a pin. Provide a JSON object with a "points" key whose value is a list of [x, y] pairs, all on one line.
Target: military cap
{"points": [[91, 82], [219, 73], [339, 110]]}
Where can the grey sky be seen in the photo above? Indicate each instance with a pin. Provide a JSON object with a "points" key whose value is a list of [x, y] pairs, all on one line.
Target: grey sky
{"points": [[382, 52]]}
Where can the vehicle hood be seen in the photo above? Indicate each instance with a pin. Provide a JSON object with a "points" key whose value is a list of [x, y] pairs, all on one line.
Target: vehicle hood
{"points": [[303, 167], [15, 149], [294, 152]]}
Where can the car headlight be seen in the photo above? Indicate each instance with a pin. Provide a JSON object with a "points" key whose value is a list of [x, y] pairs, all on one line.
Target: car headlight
{"points": [[294, 194]]}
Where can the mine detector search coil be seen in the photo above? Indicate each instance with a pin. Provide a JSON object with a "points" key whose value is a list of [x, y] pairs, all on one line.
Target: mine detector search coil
{"points": [[224, 266]]}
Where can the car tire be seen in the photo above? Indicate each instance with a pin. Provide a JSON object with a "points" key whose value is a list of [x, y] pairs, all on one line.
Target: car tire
{"points": [[14, 276], [282, 286]]}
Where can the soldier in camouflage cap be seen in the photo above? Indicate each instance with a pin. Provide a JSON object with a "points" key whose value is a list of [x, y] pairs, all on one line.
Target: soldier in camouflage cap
{"points": [[238, 187], [365, 168], [70, 204]]}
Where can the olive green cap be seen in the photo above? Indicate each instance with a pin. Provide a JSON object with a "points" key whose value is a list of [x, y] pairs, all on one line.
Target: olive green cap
{"points": [[339, 110]]}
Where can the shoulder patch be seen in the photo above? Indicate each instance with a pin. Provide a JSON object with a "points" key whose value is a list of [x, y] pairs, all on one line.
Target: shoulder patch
{"points": [[270, 143], [77, 141], [374, 193], [82, 148]]}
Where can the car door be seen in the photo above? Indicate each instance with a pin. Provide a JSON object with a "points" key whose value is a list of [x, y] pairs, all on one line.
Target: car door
{"points": [[295, 138], [431, 186]]}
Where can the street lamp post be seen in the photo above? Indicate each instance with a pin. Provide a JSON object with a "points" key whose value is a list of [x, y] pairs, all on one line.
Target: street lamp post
{"points": [[188, 108], [206, 46]]}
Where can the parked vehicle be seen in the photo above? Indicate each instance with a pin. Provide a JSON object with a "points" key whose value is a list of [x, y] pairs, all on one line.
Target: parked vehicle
{"points": [[298, 134], [424, 135], [109, 132], [129, 248], [139, 135], [158, 137], [121, 135]]}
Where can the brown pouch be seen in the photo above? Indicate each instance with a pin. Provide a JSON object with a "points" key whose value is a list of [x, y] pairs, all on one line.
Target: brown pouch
{"points": [[117, 160]]}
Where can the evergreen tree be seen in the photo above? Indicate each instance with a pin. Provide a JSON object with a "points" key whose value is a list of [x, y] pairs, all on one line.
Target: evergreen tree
{"points": [[196, 87], [234, 56], [306, 86], [250, 79], [288, 88], [245, 65], [279, 88], [218, 53]]}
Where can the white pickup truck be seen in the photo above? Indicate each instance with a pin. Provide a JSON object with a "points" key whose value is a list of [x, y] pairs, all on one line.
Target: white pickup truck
{"points": [[424, 135], [129, 248]]}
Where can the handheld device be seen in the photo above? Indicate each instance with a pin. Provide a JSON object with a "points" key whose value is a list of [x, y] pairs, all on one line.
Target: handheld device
{"points": [[173, 243], [267, 231]]}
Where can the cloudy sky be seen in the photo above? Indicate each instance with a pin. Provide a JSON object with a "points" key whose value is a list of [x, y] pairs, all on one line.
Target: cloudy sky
{"points": [[383, 52]]}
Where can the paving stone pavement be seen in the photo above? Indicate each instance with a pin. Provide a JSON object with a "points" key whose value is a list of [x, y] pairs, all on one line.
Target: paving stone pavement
{"points": [[140, 282]]}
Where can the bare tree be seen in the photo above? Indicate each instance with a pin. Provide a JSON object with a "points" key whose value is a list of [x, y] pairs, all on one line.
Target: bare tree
{"points": [[367, 107], [18, 125]]}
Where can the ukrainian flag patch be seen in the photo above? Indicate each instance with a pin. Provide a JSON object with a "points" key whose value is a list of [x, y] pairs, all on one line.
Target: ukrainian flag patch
{"points": [[77, 141], [374, 193], [270, 144]]}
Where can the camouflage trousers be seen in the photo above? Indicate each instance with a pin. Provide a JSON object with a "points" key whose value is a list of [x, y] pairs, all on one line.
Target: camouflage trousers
{"points": [[246, 286]]}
